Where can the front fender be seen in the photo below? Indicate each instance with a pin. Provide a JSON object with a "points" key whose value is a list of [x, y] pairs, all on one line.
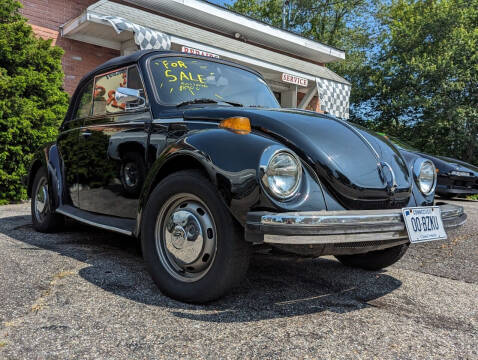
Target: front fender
{"points": [[49, 158], [231, 162]]}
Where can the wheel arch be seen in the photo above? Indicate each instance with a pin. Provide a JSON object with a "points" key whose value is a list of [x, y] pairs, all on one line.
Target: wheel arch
{"points": [[177, 162], [35, 166], [214, 153], [131, 146], [49, 158], [162, 168]]}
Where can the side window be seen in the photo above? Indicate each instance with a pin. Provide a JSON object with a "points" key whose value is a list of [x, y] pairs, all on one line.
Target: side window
{"points": [[84, 104], [105, 87], [134, 82], [104, 93]]}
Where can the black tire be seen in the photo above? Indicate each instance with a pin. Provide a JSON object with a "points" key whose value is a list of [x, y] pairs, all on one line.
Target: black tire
{"points": [[43, 221], [229, 262], [374, 260], [132, 160]]}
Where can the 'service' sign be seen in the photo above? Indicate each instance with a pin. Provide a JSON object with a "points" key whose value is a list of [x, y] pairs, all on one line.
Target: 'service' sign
{"points": [[292, 79]]}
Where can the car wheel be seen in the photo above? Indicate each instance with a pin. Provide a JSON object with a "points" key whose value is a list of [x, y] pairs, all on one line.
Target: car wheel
{"points": [[43, 218], [374, 260], [132, 173], [194, 250]]}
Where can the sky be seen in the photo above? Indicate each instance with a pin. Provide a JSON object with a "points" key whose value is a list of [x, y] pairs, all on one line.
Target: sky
{"points": [[222, 2]]}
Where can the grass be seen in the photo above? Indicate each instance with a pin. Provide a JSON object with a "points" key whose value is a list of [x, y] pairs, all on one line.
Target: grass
{"points": [[472, 197]]}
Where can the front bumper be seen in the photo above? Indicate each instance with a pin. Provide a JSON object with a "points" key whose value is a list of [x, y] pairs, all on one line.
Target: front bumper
{"points": [[367, 228]]}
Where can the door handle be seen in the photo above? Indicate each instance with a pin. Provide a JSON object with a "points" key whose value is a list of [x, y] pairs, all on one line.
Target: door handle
{"points": [[85, 134]]}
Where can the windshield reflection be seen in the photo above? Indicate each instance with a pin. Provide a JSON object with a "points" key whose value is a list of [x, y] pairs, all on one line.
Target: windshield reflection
{"points": [[183, 80]]}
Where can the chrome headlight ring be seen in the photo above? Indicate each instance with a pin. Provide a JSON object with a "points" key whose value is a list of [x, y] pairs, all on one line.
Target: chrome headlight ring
{"points": [[425, 175], [280, 171]]}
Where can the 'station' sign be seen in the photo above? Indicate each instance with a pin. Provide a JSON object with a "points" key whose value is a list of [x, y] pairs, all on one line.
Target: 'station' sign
{"points": [[288, 78], [189, 50]]}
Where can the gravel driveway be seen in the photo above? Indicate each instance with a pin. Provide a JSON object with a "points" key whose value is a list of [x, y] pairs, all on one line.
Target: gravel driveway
{"points": [[85, 293]]}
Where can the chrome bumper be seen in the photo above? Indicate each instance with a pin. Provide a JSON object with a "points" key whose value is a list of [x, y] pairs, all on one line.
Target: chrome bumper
{"points": [[338, 227]]}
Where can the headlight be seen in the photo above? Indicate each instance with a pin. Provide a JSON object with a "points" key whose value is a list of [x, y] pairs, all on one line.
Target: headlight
{"points": [[425, 175], [281, 172]]}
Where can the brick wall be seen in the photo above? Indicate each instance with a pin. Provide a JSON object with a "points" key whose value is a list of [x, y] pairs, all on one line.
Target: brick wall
{"points": [[314, 104], [46, 16]]}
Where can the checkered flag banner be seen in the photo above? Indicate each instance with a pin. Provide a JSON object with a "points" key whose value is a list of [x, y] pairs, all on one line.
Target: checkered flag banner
{"points": [[334, 97], [144, 37]]}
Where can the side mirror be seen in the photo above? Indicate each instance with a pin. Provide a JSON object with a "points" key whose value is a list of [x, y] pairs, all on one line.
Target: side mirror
{"points": [[125, 95]]}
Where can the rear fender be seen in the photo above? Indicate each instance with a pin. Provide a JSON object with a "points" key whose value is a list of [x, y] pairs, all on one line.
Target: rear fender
{"points": [[49, 158]]}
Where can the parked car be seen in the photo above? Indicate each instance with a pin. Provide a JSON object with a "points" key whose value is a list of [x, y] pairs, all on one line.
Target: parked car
{"points": [[195, 157], [455, 177]]}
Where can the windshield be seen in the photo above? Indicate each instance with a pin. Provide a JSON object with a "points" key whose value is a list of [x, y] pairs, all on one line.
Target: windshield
{"points": [[181, 80]]}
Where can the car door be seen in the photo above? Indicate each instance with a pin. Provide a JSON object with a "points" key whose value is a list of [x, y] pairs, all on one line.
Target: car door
{"points": [[114, 140], [69, 147]]}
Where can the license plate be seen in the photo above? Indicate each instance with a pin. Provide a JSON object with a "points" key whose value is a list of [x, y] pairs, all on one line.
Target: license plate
{"points": [[424, 223]]}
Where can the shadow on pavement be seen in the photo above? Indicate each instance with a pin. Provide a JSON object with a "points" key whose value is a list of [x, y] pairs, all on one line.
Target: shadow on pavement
{"points": [[275, 286]]}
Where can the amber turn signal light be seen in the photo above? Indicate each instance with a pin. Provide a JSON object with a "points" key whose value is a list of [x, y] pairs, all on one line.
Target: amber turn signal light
{"points": [[240, 125]]}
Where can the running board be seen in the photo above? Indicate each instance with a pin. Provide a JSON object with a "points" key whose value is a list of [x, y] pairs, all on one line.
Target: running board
{"points": [[120, 225]]}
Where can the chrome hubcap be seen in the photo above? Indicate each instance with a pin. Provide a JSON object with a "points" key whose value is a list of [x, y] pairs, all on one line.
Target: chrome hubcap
{"points": [[185, 237], [130, 174], [41, 199]]}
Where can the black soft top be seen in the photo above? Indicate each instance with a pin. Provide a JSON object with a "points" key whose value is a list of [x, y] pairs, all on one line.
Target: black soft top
{"points": [[136, 56], [120, 61], [133, 58]]}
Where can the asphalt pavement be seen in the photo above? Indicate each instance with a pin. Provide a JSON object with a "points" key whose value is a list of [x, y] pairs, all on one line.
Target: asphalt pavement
{"points": [[85, 294]]}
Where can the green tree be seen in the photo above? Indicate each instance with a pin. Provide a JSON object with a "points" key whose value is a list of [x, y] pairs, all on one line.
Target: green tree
{"points": [[425, 77], [346, 24], [32, 102]]}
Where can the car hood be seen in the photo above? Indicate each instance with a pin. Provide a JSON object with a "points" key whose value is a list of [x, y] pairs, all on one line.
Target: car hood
{"points": [[343, 155], [446, 164]]}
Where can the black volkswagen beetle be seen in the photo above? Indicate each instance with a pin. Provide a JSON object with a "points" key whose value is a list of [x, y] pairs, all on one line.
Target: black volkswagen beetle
{"points": [[455, 177], [195, 157]]}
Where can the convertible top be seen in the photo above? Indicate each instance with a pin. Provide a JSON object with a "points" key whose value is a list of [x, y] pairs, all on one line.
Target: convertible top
{"points": [[124, 60], [133, 58], [136, 56]]}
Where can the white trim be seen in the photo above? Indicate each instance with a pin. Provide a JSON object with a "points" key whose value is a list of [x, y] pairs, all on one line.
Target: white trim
{"points": [[73, 27], [74, 24], [239, 57], [92, 223], [240, 20], [116, 45]]}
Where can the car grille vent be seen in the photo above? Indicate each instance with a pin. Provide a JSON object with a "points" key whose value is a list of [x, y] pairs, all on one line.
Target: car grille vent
{"points": [[362, 244], [376, 205]]}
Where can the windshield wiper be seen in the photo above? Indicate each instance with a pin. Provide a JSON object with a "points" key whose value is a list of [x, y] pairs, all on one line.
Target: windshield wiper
{"points": [[207, 101]]}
